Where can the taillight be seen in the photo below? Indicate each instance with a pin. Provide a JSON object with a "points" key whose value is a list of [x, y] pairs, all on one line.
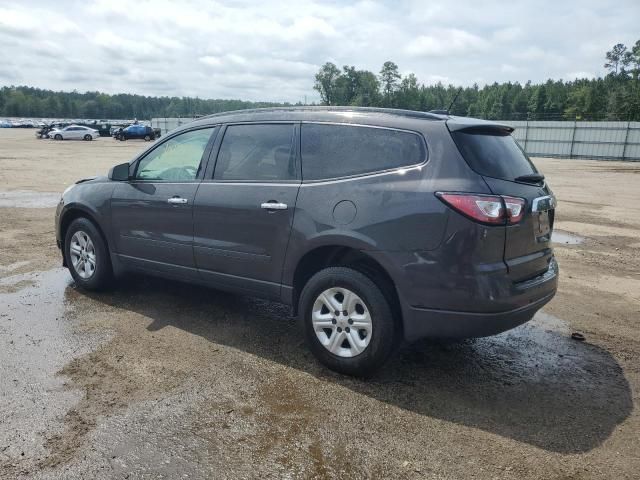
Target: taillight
{"points": [[515, 208], [491, 209]]}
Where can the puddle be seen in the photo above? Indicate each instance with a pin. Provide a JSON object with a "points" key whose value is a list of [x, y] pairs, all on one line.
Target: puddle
{"points": [[37, 338], [28, 199], [566, 238]]}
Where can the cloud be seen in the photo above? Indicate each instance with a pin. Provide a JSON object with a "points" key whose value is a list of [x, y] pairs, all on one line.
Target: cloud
{"points": [[270, 50], [446, 42]]}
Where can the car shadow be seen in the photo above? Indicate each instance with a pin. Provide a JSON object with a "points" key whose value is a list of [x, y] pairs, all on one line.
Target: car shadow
{"points": [[533, 384]]}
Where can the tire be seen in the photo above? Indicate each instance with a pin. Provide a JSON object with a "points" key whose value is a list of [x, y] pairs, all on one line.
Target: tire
{"points": [[58, 136], [365, 354], [147, 138], [88, 137], [101, 276]]}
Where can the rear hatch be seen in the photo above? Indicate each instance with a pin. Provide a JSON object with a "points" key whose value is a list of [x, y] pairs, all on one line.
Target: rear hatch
{"points": [[491, 151]]}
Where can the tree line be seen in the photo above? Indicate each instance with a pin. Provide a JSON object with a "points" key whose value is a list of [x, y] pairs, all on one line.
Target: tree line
{"points": [[614, 97], [22, 101]]}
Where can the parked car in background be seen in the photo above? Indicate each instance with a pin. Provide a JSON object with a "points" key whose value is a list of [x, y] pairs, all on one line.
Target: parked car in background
{"points": [[142, 132], [376, 225], [74, 132]]}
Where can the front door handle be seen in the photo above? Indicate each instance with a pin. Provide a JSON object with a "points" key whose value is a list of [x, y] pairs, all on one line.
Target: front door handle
{"points": [[177, 200], [273, 206]]}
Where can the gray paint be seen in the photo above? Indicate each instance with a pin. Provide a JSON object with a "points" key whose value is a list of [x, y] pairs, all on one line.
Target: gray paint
{"points": [[454, 277]]}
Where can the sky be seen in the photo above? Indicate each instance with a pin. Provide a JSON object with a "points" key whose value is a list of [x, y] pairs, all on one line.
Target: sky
{"points": [[270, 50]]}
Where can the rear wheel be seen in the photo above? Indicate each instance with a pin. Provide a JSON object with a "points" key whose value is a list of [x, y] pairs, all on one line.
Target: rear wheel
{"points": [[347, 321], [87, 256], [58, 136]]}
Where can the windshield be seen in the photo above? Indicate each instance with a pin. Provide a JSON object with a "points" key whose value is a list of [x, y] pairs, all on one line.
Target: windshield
{"points": [[493, 153]]}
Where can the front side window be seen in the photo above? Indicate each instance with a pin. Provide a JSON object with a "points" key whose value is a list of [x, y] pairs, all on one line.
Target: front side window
{"points": [[257, 153], [332, 151], [177, 159]]}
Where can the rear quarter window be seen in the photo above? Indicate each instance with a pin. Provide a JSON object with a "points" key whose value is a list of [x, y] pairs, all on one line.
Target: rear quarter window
{"points": [[332, 151], [493, 153]]}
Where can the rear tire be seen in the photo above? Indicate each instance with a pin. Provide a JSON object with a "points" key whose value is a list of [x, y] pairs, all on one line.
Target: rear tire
{"points": [[87, 256], [355, 346]]}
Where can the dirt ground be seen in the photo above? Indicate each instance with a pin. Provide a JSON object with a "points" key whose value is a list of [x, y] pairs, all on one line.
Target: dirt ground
{"points": [[158, 379]]}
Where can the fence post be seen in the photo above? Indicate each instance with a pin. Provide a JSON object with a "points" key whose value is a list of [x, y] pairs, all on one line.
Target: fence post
{"points": [[626, 139], [526, 136], [573, 137]]}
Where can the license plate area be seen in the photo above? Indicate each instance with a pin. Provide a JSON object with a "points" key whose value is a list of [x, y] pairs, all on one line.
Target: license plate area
{"points": [[542, 226], [541, 208]]}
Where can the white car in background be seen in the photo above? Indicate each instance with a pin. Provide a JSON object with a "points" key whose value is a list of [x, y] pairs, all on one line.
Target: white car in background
{"points": [[74, 132]]}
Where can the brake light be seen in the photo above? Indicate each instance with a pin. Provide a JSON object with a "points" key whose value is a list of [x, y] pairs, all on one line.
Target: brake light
{"points": [[491, 209], [515, 208]]}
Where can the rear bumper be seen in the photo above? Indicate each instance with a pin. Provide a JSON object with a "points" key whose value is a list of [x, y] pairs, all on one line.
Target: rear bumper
{"points": [[422, 322]]}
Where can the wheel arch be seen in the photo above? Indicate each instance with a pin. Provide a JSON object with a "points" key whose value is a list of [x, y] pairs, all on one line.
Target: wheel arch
{"points": [[71, 214], [337, 255]]}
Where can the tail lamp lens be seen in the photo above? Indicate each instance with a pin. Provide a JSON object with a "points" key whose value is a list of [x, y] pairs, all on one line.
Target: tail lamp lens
{"points": [[515, 208], [491, 209]]}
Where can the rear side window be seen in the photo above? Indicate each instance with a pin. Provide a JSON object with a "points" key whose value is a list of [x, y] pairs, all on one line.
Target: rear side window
{"points": [[331, 151], [493, 153], [257, 153]]}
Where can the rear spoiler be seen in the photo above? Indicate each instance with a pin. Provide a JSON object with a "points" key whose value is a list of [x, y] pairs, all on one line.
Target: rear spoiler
{"points": [[455, 124]]}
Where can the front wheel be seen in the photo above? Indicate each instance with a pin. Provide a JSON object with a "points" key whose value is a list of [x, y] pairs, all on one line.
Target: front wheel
{"points": [[58, 136], [87, 256], [88, 137], [147, 138], [347, 321]]}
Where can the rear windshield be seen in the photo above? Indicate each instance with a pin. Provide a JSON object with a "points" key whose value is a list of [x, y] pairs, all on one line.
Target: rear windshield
{"points": [[493, 153]]}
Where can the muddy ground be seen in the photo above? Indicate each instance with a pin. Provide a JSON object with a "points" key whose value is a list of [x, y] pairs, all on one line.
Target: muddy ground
{"points": [[158, 379]]}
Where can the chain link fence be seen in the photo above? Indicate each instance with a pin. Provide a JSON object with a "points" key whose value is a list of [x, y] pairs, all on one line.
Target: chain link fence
{"points": [[589, 140]]}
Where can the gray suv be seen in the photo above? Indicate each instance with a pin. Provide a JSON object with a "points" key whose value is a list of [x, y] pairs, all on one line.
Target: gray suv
{"points": [[375, 225]]}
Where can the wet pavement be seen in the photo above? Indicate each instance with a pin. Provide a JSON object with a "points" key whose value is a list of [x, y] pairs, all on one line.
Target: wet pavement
{"points": [[28, 199], [159, 378], [566, 238]]}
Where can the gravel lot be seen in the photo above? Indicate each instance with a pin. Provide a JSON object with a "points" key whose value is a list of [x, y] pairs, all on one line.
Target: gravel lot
{"points": [[158, 379]]}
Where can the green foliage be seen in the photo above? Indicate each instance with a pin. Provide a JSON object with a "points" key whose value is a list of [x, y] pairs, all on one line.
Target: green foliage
{"points": [[614, 97], [34, 102]]}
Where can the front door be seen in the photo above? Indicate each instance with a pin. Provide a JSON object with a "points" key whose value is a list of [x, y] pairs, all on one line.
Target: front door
{"points": [[243, 215], [152, 213]]}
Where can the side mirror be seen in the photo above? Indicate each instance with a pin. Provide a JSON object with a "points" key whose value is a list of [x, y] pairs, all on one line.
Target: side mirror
{"points": [[119, 173]]}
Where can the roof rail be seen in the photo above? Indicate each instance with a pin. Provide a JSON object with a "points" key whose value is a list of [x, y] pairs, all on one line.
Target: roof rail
{"points": [[388, 111]]}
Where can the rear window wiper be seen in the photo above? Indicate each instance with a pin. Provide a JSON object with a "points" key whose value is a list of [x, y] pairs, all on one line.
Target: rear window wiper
{"points": [[530, 178]]}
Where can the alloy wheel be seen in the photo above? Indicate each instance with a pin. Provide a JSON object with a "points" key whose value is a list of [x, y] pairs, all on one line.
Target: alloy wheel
{"points": [[342, 322], [83, 254]]}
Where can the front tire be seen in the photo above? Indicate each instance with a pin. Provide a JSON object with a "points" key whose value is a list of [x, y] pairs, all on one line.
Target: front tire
{"points": [[147, 138], [58, 136], [88, 137], [347, 320], [87, 256]]}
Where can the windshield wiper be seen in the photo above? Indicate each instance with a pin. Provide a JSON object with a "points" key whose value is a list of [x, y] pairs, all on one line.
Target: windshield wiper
{"points": [[530, 178]]}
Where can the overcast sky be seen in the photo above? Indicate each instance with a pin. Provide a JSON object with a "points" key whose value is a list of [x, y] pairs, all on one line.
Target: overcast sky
{"points": [[270, 50]]}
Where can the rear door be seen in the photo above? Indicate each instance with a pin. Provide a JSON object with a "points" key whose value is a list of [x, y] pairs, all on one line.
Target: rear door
{"points": [[243, 213], [493, 153]]}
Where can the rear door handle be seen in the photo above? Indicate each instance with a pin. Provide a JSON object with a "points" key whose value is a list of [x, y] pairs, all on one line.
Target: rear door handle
{"points": [[273, 206], [177, 200]]}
